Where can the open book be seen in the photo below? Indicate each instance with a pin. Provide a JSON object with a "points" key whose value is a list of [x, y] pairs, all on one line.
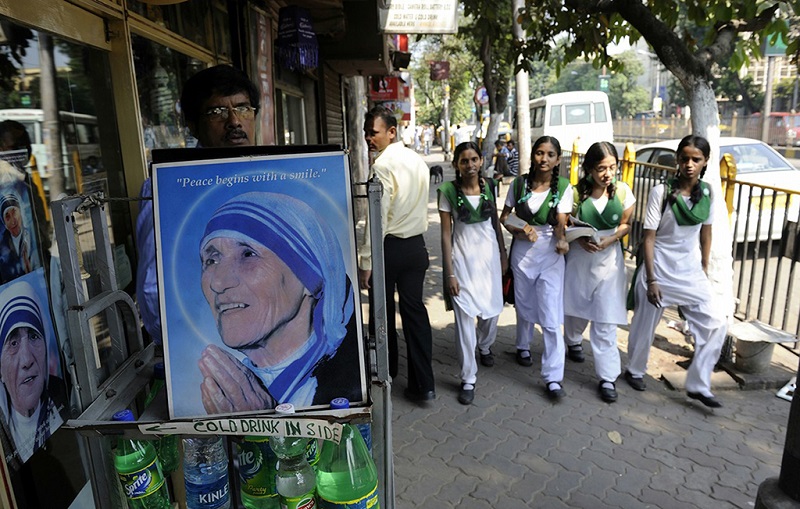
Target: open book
{"points": [[515, 221], [579, 229]]}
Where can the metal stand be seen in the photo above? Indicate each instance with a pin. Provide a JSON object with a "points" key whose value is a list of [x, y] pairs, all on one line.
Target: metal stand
{"points": [[120, 314], [381, 384]]}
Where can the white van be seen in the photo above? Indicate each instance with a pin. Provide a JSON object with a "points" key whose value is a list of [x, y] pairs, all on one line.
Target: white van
{"points": [[584, 115]]}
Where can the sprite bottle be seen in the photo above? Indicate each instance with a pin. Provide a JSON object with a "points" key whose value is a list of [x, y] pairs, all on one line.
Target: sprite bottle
{"points": [[257, 468], [295, 479], [139, 471], [346, 474]]}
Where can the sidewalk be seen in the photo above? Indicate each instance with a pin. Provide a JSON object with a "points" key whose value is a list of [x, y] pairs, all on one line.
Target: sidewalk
{"points": [[513, 448]]}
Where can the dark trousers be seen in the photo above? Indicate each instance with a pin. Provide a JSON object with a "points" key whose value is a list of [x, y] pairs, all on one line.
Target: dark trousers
{"points": [[405, 263]]}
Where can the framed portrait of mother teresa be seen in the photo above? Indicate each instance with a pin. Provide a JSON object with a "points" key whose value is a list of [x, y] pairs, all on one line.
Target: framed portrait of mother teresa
{"points": [[257, 279]]}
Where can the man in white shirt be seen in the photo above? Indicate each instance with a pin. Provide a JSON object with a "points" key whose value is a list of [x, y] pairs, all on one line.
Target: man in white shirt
{"points": [[404, 218]]}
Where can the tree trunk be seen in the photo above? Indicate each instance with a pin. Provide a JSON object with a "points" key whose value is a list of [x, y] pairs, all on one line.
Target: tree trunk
{"points": [[522, 98], [705, 123], [494, 118]]}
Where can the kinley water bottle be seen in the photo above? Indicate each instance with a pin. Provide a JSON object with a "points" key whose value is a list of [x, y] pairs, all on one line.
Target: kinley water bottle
{"points": [[346, 473], [205, 473], [139, 471]]}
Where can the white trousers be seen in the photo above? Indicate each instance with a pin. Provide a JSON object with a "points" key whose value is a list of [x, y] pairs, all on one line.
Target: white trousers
{"points": [[468, 336], [554, 350], [706, 323], [603, 337]]}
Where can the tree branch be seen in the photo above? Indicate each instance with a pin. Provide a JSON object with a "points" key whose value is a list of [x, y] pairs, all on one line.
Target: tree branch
{"points": [[727, 33]]}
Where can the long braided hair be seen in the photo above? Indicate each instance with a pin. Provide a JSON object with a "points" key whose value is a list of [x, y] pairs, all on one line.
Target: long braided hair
{"points": [[596, 153], [704, 146], [552, 216], [488, 207]]}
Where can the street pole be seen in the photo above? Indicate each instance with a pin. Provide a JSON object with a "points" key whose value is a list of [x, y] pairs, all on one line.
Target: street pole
{"points": [[522, 99], [446, 121], [767, 110]]}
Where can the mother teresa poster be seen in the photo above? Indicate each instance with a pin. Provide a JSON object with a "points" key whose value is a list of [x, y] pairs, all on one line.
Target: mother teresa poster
{"points": [[33, 392], [257, 275]]}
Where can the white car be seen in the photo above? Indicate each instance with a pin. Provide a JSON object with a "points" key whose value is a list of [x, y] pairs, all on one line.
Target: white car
{"points": [[756, 163]]}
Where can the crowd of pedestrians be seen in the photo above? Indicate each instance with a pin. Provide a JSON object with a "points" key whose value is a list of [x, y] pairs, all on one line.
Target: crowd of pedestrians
{"points": [[566, 286]]}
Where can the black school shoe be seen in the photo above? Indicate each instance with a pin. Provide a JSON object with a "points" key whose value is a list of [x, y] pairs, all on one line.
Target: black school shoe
{"points": [[554, 391], [465, 396], [607, 394], [575, 353], [637, 383], [524, 361], [709, 401], [487, 360]]}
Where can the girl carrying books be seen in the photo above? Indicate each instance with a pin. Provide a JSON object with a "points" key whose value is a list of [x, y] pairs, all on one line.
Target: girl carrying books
{"points": [[594, 281]]}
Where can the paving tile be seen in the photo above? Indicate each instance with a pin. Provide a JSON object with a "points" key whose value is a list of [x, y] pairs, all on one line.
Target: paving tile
{"points": [[654, 498], [615, 498]]}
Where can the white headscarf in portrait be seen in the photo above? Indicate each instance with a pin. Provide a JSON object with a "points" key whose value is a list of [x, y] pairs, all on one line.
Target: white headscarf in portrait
{"points": [[305, 242]]}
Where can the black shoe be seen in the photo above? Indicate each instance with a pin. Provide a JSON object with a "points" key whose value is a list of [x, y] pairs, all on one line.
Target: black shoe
{"points": [[465, 396], [607, 394], [554, 391], [487, 360], [524, 361], [575, 353], [709, 401], [637, 383], [419, 396]]}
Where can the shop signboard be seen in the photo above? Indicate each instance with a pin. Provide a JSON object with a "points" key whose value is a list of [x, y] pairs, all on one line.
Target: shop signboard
{"points": [[384, 88], [416, 17], [258, 284]]}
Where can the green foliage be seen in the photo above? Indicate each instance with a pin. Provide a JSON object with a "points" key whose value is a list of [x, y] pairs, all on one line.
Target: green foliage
{"points": [[481, 19], [784, 94], [429, 95], [13, 49], [731, 31]]}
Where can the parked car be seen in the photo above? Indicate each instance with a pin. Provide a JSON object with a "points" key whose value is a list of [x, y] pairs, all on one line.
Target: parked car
{"points": [[756, 163]]}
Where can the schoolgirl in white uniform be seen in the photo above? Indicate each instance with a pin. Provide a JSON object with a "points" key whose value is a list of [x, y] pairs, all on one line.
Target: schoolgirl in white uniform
{"points": [[474, 258], [543, 200], [594, 281], [677, 244]]}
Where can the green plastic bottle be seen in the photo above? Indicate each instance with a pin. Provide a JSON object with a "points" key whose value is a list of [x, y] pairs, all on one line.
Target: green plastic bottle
{"points": [[346, 473], [139, 471], [257, 468], [167, 446]]}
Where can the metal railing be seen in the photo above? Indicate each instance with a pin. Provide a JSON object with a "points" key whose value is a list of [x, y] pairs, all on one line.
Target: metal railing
{"points": [[781, 131]]}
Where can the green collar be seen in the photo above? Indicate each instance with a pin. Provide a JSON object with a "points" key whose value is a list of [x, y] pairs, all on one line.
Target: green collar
{"points": [[699, 212]]}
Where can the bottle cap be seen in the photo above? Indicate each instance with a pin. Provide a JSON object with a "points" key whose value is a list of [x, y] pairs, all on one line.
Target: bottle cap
{"points": [[284, 408], [123, 415], [158, 371], [340, 403]]}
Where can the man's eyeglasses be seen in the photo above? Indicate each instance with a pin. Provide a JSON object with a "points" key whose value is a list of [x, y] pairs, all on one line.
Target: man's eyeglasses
{"points": [[220, 114]]}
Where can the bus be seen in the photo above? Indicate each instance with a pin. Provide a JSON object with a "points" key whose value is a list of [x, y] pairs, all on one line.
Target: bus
{"points": [[80, 140], [567, 116]]}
